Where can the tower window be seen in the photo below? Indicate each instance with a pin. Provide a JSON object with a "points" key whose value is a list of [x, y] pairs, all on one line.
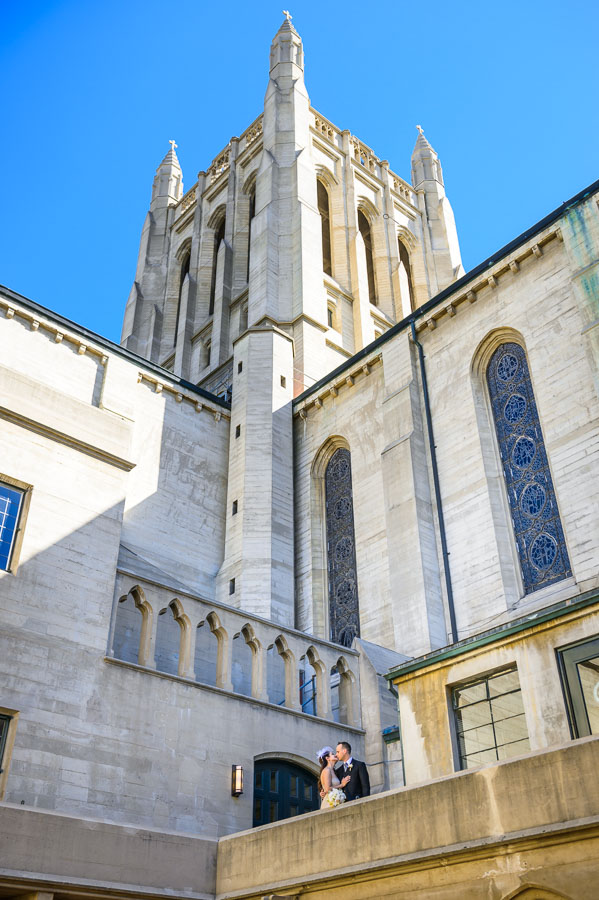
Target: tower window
{"points": [[234, 508], [251, 214], [325, 222], [219, 236], [237, 431], [533, 504], [364, 228], [232, 586], [405, 276], [184, 273]]}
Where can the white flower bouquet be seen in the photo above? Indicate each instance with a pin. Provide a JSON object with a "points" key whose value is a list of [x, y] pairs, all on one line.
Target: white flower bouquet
{"points": [[335, 797]]}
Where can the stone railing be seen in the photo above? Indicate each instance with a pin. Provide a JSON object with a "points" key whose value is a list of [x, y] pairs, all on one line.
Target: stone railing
{"points": [[186, 201], [324, 127], [328, 668], [402, 188], [364, 155], [219, 165], [251, 134]]}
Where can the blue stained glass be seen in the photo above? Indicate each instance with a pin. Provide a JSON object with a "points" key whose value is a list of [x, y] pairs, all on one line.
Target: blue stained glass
{"points": [[533, 505], [10, 506], [343, 583], [515, 408]]}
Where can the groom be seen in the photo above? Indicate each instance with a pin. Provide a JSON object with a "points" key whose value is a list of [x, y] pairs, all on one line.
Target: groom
{"points": [[359, 782]]}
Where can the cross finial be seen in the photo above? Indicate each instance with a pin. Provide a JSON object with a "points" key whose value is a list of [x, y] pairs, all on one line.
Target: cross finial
{"points": [[173, 145], [420, 131], [287, 15]]}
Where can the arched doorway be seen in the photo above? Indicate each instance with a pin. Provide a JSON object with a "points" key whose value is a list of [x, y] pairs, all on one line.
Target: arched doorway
{"points": [[281, 790]]}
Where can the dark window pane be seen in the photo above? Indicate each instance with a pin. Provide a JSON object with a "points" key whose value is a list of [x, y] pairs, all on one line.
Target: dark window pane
{"points": [[274, 777], [473, 716], [511, 730], [516, 749], [257, 809], [588, 672], [479, 759], [507, 706], [308, 791], [470, 693], [504, 682], [273, 811], [293, 782], [477, 739]]}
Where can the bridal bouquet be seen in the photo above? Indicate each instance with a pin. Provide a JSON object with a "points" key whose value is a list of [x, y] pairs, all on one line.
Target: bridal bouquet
{"points": [[335, 797]]}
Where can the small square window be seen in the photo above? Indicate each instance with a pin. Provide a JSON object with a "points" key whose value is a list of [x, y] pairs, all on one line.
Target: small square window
{"points": [[234, 508], [489, 719], [12, 503], [239, 368], [283, 381], [237, 431], [232, 586]]}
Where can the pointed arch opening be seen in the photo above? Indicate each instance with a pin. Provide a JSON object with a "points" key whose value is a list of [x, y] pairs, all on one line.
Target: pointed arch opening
{"points": [[365, 231], [322, 195], [406, 287], [183, 274], [219, 236]]}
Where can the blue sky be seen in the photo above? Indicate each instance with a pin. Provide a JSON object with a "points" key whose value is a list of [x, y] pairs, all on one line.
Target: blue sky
{"points": [[92, 92]]}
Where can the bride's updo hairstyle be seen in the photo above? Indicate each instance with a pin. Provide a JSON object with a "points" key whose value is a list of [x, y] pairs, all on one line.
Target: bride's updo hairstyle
{"points": [[322, 759]]}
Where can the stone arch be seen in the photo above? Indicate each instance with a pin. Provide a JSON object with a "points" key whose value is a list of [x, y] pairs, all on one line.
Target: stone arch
{"points": [[223, 656], [216, 224], [532, 892], [405, 272], [130, 642], [217, 217], [258, 682], [509, 483], [367, 207], [242, 664], [285, 784], [347, 692], [291, 674], [327, 176], [206, 653], [323, 693]]}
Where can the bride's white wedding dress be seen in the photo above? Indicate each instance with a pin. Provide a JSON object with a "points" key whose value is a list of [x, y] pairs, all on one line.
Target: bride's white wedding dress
{"points": [[335, 783]]}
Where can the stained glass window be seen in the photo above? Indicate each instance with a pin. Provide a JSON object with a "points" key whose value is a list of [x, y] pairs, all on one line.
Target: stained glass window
{"points": [[10, 508], [343, 583], [533, 505]]}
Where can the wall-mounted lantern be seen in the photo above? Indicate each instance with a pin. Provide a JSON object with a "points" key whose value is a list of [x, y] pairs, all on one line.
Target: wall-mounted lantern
{"points": [[236, 780]]}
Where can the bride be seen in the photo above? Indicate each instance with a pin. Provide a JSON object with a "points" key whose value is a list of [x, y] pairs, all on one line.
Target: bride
{"points": [[328, 783]]}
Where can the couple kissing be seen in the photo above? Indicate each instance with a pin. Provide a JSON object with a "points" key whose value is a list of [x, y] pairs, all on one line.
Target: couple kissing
{"points": [[341, 776]]}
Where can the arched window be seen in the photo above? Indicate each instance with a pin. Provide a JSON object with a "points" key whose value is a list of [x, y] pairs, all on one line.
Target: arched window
{"points": [[325, 224], [533, 505], [344, 616], [183, 276], [405, 275], [219, 236], [251, 214], [364, 228]]}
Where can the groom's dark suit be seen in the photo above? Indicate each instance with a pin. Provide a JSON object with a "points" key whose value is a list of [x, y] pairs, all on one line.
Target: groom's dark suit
{"points": [[359, 782]]}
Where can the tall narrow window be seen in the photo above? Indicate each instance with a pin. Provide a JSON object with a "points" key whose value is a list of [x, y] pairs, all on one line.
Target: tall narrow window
{"points": [[533, 505], [364, 228], [251, 214], [184, 274], [344, 616], [325, 224], [405, 276], [219, 236]]}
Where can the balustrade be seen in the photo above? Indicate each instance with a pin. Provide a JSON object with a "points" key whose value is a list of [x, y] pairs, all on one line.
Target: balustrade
{"points": [[226, 624]]}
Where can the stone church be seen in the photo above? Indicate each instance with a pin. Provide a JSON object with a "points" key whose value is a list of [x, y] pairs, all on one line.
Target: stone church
{"points": [[328, 487]]}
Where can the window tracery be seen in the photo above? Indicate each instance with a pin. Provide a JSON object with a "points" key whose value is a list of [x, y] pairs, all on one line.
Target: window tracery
{"points": [[344, 615], [533, 505]]}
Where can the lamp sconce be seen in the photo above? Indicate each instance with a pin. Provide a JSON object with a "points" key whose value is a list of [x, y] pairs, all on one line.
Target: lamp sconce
{"points": [[236, 780]]}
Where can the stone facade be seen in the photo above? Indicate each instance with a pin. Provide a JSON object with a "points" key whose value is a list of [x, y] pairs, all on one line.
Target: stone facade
{"points": [[298, 429]]}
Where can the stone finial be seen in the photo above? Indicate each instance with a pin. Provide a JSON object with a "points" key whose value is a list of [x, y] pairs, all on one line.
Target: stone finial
{"points": [[420, 129], [287, 15]]}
